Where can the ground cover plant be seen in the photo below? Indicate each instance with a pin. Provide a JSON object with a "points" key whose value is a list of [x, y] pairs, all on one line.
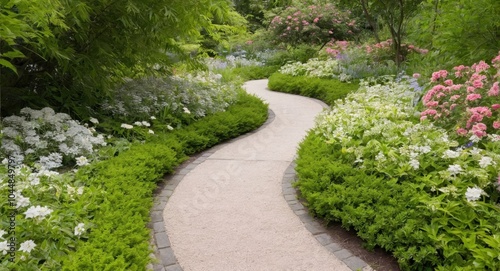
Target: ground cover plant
{"points": [[401, 184], [95, 217]]}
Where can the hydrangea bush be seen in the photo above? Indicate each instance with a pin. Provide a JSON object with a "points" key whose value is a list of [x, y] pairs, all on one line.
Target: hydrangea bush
{"points": [[466, 101], [406, 186]]}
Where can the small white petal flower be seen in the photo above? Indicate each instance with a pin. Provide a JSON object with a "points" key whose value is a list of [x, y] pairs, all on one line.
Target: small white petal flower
{"points": [[22, 202], [4, 247], [170, 127], [94, 120], [454, 169], [2, 233], [79, 229], [27, 246], [82, 161], [186, 110], [451, 154], [138, 123], [414, 163], [474, 193], [153, 117], [151, 132], [485, 161], [146, 124], [37, 212], [126, 126], [79, 191]]}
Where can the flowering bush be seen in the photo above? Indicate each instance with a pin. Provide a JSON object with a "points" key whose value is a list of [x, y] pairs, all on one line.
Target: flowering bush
{"points": [[47, 138], [179, 96], [466, 101], [313, 68], [402, 185], [312, 24], [50, 214]]}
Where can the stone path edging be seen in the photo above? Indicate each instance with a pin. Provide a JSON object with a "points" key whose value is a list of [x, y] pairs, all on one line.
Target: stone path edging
{"points": [[163, 253]]}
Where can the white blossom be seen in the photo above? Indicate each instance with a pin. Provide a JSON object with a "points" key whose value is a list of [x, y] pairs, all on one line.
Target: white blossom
{"points": [[451, 154], [170, 127], [138, 123], [27, 246], [145, 123], [474, 193], [79, 229], [37, 212], [151, 132], [485, 161], [414, 163], [153, 117], [186, 110], [82, 161], [4, 247], [126, 126], [94, 120], [454, 169]]}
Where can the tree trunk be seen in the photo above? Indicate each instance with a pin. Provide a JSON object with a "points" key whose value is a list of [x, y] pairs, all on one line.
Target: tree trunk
{"points": [[370, 20]]}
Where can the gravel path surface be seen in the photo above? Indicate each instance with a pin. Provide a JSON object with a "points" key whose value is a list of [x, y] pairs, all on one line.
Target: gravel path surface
{"points": [[229, 212]]}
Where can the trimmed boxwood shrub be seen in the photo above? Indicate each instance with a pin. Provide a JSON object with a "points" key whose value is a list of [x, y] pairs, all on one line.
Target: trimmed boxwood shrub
{"points": [[327, 90], [119, 237]]}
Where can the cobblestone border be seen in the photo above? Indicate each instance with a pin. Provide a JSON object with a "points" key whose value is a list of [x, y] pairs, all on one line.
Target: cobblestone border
{"points": [[317, 230], [163, 253]]}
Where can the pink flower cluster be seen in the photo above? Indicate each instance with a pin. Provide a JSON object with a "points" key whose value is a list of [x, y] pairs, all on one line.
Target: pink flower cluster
{"points": [[378, 51], [471, 107], [312, 24]]}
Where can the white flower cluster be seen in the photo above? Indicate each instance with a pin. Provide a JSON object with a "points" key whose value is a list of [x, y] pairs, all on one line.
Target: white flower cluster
{"points": [[199, 94], [314, 68], [38, 212], [377, 127], [231, 62], [47, 136]]}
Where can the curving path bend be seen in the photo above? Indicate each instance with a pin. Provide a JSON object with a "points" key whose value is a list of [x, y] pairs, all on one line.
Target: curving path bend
{"points": [[229, 213]]}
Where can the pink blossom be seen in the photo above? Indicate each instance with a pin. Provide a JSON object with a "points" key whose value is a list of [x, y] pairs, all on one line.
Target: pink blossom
{"points": [[456, 87], [422, 118], [453, 106], [496, 124], [494, 90], [432, 104], [428, 112], [316, 20], [470, 89], [477, 84], [495, 106], [448, 82], [416, 75], [461, 131], [481, 66], [454, 97], [439, 74], [473, 97]]}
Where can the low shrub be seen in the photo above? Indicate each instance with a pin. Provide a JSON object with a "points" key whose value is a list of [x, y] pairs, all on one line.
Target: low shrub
{"points": [[96, 218], [403, 185], [327, 90]]}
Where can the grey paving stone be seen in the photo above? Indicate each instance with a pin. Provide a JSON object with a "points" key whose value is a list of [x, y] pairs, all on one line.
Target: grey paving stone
{"points": [[306, 218], [191, 166], [290, 170], [324, 239], [162, 240], [158, 227], [156, 216], [290, 175], [159, 267], [300, 212], [290, 197], [297, 206], [355, 263], [289, 191], [291, 202], [286, 185], [314, 229], [166, 193], [170, 186], [174, 267], [167, 256], [159, 205], [333, 247], [184, 171], [343, 254]]}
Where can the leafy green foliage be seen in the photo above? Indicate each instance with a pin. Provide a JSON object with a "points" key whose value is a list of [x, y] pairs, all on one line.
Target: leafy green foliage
{"points": [[328, 90], [87, 46], [119, 239]]}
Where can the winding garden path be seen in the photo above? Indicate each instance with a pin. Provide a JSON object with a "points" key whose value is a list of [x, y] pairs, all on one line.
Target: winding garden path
{"points": [[229, 212]]}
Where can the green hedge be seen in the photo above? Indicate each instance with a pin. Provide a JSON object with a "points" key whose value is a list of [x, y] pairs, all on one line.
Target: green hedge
{"points": [[327, 90], [119, 238], [255, 72]]}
